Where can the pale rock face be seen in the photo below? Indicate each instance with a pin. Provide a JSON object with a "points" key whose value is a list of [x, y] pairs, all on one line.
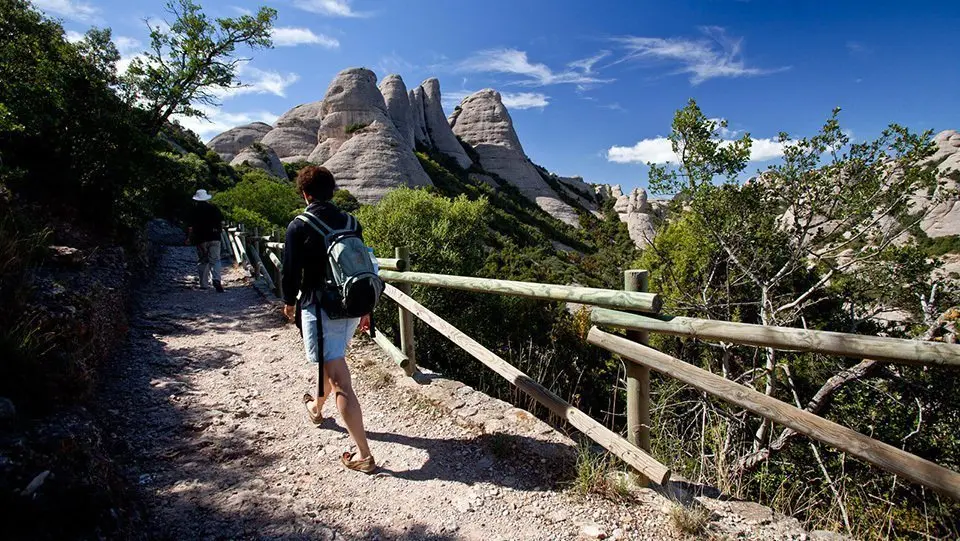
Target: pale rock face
{"points": [[359, 143], [374, 161], [398, 106], [639, 215], [306, 115], [261, 157], [295, 134], [581, 191], [416, 117], [229, 143], [291, 142], [944, 218], [438, 128], [484, 123]]}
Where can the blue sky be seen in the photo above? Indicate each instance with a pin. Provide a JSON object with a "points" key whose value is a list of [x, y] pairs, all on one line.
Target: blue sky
{"points": [[592, 86]]}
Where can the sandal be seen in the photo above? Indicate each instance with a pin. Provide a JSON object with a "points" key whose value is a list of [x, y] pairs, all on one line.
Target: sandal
{"points": [[365, 465], [315, 418]]}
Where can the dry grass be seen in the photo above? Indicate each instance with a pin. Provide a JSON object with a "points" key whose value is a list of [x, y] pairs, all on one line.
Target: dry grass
{"points": [[691, 520], [597, 474]]}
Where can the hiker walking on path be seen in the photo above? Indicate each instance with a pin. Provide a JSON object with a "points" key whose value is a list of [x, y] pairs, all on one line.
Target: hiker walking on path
{"points": [[205, 226], [306, 271]]}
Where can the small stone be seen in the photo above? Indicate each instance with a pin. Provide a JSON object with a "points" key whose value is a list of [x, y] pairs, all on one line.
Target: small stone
{"points": [[617, 533], [283, 469], [463, 505], [592, 531], [36, 483]]}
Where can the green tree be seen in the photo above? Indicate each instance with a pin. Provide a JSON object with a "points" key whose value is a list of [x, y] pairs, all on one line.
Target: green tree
{"points": [[189, 63], [821, 241]]}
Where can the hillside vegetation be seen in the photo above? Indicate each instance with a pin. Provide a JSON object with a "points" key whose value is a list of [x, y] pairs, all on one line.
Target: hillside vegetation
{"points": [[801, 245]]}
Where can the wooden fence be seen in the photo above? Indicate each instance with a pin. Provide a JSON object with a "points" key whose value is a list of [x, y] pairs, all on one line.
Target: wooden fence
{"points": [[248, 247]]}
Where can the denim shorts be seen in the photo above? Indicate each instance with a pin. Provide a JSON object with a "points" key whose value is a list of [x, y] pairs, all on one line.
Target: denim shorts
{"points": [[336, 334]]}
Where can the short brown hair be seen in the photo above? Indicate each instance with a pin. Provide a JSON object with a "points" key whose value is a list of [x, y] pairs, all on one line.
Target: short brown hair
{"points": [[317, 182]]}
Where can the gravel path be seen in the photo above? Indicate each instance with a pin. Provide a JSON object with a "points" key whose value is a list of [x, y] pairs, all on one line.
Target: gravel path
{"points": [[205, 402]]}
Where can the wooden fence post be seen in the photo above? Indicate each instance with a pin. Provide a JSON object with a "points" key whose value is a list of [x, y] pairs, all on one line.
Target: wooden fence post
{"points": [[407, 341], [638, 376]]}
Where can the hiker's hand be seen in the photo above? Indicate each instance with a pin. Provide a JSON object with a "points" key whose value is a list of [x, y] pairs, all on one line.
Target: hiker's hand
{"points": [[365, 323], [290, 311]]}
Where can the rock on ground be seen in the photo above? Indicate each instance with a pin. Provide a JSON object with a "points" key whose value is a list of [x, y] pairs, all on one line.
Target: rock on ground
{"points": [[482, 121], [229, 143]]}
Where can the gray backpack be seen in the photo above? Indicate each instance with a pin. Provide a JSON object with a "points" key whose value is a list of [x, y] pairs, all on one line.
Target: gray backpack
{"points": [[351, 277]]}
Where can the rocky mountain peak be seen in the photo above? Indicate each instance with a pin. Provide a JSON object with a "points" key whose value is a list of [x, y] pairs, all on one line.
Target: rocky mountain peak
{"points": [[483, 122]]}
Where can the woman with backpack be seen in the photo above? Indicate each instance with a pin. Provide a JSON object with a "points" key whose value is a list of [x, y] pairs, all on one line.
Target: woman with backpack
{"points": [[321, 264]]}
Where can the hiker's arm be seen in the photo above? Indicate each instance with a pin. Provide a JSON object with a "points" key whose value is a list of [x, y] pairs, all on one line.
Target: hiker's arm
{"points": [[292, 266]]}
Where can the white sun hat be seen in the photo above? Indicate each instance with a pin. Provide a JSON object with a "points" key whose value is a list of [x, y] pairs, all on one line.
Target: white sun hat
{"points": [[202, 195]]}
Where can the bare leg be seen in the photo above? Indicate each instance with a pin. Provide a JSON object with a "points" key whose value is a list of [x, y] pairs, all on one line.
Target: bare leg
{"points": [[339, 377], [317, 406]]}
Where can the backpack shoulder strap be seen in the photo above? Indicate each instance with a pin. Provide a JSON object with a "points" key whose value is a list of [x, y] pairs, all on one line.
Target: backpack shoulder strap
{"points": [[316, 223]]}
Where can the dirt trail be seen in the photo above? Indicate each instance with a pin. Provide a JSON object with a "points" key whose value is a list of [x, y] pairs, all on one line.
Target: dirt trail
{"points": [[205, 402]]}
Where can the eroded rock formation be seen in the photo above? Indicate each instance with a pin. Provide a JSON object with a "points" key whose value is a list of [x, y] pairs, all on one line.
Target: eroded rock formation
{"points": [[229, 143], [483, 122]]}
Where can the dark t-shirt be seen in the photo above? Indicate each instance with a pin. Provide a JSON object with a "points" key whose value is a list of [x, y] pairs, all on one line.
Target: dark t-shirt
{"points": [[305, 254], [206, 220]]}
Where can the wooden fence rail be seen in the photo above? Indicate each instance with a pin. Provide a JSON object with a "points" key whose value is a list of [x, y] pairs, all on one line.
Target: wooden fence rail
{"points": [[875, 452], [632, 455], [628, 300], [895, 350]]}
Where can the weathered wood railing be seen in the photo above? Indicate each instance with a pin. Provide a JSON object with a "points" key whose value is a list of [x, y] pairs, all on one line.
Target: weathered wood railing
{"points": [[635, 298]]}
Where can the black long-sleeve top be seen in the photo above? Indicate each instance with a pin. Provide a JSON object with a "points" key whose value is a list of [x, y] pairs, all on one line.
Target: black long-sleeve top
{"points": [[305, 254]]}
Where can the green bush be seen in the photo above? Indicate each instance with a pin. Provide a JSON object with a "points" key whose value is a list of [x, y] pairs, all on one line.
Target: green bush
{"points": [[292, 168], [345, 201], [260, 198], [355, 127]]}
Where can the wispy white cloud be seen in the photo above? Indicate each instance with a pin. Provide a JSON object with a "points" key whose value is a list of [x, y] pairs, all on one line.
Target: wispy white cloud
{"points": [[716, 55], [258, 81], [725, 132], [525, 100], [514, 62], [659, 150], [612, 106], [333, 8], [393, 63], [219, 121], [127, 45], [74, 37], [857, 48], [242, 10], [586, 64], [286, 36], [75, 10], [511, 100]]}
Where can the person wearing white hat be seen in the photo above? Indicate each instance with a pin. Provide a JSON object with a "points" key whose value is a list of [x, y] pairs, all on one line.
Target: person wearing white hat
{"points": [[203, 231]]}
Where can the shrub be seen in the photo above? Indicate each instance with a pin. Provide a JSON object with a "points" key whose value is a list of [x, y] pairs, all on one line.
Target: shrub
{"points": [[292, 168], [262, 197], [355, 127], [345, 201]]}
